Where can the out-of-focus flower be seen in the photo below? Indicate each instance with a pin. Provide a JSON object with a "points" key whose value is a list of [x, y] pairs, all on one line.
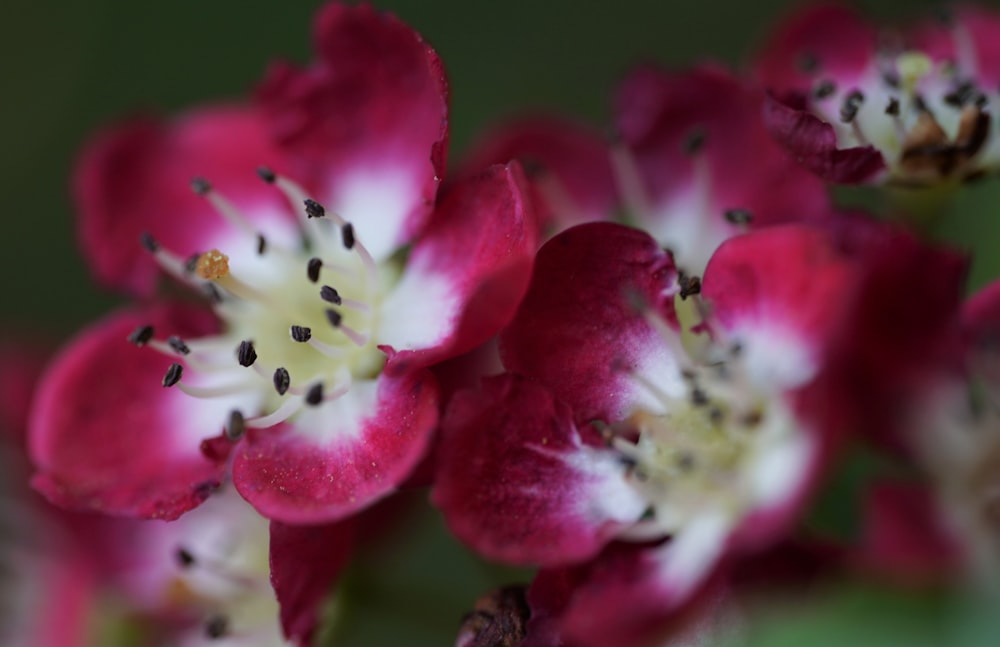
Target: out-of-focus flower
{"points": [[311, 361], [701, 388], [77, 579], [914, 108]]}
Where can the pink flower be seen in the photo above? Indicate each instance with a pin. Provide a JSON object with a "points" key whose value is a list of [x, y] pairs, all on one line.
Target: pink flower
{"points": [[708, 392], [306, 376], [909, 109]]}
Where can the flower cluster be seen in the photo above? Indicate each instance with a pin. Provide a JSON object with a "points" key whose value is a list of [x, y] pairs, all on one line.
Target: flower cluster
{"points": [[633, 362]]}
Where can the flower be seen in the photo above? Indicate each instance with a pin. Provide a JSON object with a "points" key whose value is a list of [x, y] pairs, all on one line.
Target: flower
{"points": [[306, 376], [706, 393], [910, 110]]}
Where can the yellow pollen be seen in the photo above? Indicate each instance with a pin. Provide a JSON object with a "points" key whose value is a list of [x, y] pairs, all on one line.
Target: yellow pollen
{"points": [[213, 265]]}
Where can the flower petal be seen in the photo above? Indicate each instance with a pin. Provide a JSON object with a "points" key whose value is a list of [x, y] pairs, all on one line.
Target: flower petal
{"points": [[342, 456], [814, 143], [971, 38], [517, 482], [305, 562], [467, 273], [136, 178], [106, 436], [367, 123], [575, 331], [567, 162]]}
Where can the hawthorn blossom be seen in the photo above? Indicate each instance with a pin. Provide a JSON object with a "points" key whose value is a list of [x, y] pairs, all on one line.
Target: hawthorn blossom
{"points": [[645, 405], [303, 370], [914, 108]]}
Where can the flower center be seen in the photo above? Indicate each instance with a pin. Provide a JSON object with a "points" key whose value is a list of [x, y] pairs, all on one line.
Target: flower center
{"points": [[299, 323]]}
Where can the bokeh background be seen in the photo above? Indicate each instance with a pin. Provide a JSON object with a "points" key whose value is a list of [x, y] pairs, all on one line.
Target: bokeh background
{"points": [[69, 67]]}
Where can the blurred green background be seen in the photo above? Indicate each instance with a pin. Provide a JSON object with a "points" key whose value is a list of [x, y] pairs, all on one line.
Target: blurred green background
{"points": [[70, 67]]}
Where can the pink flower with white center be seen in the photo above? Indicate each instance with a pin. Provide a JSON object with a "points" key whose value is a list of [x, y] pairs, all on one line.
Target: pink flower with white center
{"points": [[696, 166], [908, 109], [326, 303], [643, 404], [205, 579]]}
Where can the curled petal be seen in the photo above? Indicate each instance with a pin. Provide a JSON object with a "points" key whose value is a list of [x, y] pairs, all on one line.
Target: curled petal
{"points": [[517, 482], [106, 436], [342, 456]]}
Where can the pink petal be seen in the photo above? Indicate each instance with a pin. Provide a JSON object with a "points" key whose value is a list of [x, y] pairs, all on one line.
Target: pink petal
{"points": [[979, 27], [341, 457], [738, 165], [106, 436], [517, 482], [305, 562], [813, 142], [568, 163], [136, 177], [832, 37], [575, 330], [466, 274], [367, 123], [780, 292]]}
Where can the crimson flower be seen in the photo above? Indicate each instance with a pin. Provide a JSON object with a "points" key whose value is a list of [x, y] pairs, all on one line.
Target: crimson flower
{"points": [[305, 374], [705, 393], [911, 108]]}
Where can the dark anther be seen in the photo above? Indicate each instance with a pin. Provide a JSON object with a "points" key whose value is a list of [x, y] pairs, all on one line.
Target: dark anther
{"points": [[191, 264], [266, 174], [261, 244], [738, 216], [237, 425], [213, 293], [852, 102], [217, 627], [893, 107], [716, 415], [178, 345], [141, 335], [282, 380], [964, 93], [699, 398], [807, 62], [314, 209], [685, 461], [200, 186], [312, 269], [891, 78], [173, 375], [184, 558], [333, 317], [347, 235], [689, 285], [824, 89], [753, 418], [315, 394], [919, 104], [148, 242], [499, 619], [330, 295], [246, 354], [301, 334], [694, 141]]}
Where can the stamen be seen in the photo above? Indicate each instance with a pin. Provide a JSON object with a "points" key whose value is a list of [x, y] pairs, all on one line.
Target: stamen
{"points": [[149, 243], [738, 216], [852, 102], [173, 375], [300, 334], [314, 396], [824, 89], [356, 337], [178, 345], [334, 317], [184, 558], [141, 335], [629, 180], [200, 186], [261, 244], [246, 354], [347, 236], [282, 380], [690, 285], [289, 407], [694, 141], [266, 174], [236, 427], [217, 627], [330, 295], [209, 392], [892, 108], [314, 209], [224, 207], [312, 269], [326, 349], [170, 262]]}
